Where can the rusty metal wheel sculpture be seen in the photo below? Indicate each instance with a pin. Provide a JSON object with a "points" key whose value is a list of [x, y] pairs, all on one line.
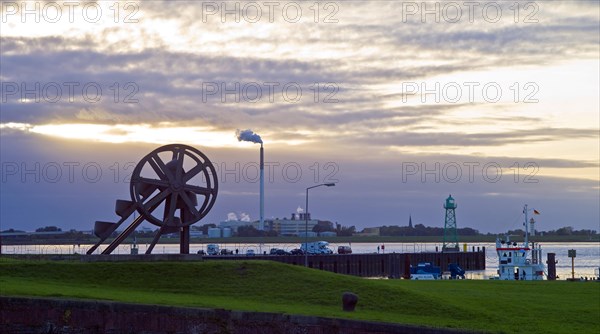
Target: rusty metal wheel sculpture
{"points": [[177, 180], [158, 182]]}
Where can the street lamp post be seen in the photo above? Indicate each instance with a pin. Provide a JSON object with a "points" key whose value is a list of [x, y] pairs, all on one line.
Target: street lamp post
{"points": [[306, 221]]}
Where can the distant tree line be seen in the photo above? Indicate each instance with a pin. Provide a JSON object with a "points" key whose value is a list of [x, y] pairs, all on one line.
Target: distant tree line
{"points": [[321, 226], [343, 231], [421, 230], [72, 235], [328, 226], [49, 229], [567, 230], [12, 230]]}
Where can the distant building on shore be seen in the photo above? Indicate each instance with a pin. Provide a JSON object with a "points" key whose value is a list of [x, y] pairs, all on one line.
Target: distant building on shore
{"points": [[295, 225], [214, 232]]}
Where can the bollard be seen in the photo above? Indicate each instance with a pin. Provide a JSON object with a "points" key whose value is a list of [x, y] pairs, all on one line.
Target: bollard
{"points": [[551, 262], [349, 301]]}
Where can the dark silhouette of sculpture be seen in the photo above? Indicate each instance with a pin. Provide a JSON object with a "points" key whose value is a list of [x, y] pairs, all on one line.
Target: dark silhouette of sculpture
{"points": [[177, 180]]}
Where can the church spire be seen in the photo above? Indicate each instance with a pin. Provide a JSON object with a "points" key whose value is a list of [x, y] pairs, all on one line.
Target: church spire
{"points": [[410, 221]]}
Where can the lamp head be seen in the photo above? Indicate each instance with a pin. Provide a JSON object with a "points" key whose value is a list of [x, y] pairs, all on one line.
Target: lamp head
{"points": [[330, 184]]}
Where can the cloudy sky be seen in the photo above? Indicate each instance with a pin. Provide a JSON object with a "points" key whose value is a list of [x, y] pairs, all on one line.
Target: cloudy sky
{"points": [[400, 103]]}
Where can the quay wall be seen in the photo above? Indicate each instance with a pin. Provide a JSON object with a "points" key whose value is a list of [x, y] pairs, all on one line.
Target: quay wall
{"points": [[50, 315]]}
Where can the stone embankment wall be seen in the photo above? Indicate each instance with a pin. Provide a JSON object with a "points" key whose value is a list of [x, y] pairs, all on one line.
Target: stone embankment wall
{"points": [[45, 315]]}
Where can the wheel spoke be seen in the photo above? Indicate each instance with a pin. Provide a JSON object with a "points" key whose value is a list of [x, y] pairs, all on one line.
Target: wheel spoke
{"points": [[193, 172], [160, 168], [172, 207], [199, 190], [155, 182], [190, 205], [179, 169], [154, 201], [204, 204], [157, 170]]}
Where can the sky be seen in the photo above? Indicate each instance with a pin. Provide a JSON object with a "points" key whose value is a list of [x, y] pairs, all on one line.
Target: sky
{"points": [[399, 103]]}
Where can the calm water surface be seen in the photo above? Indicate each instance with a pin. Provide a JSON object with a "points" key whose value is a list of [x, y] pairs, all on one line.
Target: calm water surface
{"points": [[586, 262]]}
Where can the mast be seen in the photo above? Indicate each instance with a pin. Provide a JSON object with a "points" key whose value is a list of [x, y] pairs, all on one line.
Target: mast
{"points": [[526, 227]]}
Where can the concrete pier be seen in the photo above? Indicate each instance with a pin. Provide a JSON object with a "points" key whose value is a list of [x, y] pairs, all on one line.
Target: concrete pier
{"points": [[392, 265]]}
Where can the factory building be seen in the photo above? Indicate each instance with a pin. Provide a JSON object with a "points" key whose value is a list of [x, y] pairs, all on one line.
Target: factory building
{"points": [[293, 226], [214, 232], [235, 224]]}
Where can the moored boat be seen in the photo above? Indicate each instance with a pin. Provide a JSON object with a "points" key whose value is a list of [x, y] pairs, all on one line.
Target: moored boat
{"points": [[520, 262], [425, 271]]}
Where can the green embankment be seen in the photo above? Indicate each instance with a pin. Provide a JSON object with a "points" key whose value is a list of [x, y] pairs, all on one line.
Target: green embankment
{"points": [[494, 306]]}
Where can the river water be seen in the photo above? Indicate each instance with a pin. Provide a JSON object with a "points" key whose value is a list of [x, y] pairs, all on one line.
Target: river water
{"points": [[587, 260]]}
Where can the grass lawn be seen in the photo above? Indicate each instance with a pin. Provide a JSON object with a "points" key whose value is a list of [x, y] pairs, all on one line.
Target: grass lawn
{"points": [[493, 306]]}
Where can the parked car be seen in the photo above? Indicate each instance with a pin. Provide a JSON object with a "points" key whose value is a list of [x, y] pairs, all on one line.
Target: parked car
{"points": [[344, 250], [226, 252], [278, 251], [212, 249], [297, 251], [201, 252], [250, 252]]}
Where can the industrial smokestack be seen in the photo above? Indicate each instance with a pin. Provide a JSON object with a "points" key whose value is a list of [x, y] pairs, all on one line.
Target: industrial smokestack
{"points": [[261, 225], [249, 135]]}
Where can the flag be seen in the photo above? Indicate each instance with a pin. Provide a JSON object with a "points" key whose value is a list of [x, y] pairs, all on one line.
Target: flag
{"points": [[536, 212]]}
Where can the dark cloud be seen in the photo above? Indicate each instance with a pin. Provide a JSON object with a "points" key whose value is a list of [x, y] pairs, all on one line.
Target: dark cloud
{"points": [[409, 138]]}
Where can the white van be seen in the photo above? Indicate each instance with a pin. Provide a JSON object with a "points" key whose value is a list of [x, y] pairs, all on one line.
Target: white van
{"points": [[317, 247]]}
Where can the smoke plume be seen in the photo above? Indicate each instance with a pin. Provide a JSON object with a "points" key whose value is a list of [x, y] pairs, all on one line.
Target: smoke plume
{"points": [[248, 135], [244, 217]]}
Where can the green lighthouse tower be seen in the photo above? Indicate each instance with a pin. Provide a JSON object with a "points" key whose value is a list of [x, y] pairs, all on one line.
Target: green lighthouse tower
{"points": [[450, 236]]}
